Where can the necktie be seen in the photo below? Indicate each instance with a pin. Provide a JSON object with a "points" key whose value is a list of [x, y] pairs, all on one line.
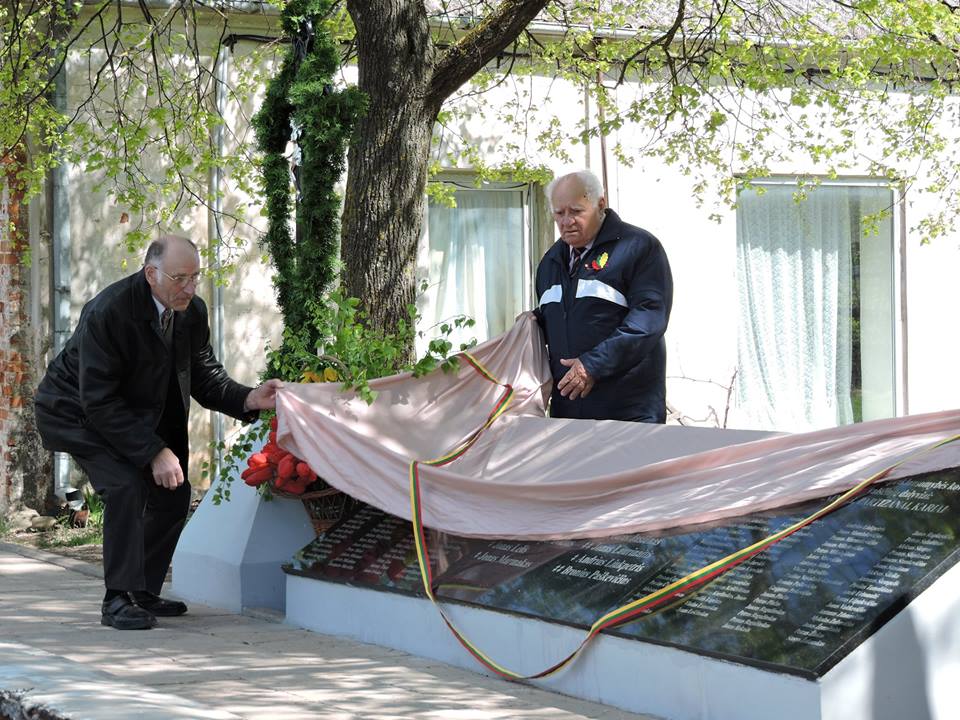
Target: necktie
{"points": [[165, 319], [575, 253]]}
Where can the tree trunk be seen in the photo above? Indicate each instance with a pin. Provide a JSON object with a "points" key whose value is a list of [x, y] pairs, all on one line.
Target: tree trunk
{"points": [[406, 81], [384, 203]]}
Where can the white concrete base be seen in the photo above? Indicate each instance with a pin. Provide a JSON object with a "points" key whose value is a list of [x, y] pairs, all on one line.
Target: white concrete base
{"points": [[229, 555], [909, 670]]}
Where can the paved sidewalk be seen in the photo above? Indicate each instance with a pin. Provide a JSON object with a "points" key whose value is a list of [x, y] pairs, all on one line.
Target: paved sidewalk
{"points": [[219, 665]]}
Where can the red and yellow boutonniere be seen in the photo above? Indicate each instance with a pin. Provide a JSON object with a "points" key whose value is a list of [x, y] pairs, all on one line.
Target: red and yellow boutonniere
{"points": [[600, 262]]}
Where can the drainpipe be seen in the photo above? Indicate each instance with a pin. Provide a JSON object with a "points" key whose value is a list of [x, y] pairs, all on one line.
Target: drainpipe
{"points": [[904, 408], [215, 237], [39, 224], [59, 205], [601, 118], [587, 121]]}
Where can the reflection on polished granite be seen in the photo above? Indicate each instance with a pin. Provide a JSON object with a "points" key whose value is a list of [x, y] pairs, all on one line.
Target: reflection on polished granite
{"points": [[798, 607]]}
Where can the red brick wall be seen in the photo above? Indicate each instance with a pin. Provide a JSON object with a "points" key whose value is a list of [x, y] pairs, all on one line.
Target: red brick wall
{"points": [[14, 373]]}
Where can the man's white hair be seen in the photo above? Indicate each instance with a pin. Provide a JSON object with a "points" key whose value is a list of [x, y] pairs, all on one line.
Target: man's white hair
{"points": [[592, 187]]}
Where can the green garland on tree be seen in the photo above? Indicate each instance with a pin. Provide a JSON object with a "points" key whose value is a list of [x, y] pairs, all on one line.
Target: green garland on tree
{"points": [[322, 328], [302, 97], [325, 337]]}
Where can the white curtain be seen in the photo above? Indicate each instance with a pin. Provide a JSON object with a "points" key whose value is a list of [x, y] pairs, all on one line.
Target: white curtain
{"points": [[475, 263], [794, 279]]}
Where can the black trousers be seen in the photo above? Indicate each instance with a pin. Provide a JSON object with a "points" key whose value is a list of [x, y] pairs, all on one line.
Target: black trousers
{"points": [[142, 522]]}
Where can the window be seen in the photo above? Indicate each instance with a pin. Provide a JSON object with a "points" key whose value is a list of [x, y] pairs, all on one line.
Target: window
{"points": [[817, 305], [477, 259]]}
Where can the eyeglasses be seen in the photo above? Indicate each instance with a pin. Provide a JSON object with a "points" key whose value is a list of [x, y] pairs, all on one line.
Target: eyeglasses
{"points": [[183, 279]]}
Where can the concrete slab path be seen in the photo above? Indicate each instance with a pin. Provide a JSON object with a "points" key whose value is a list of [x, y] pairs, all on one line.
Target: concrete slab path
{"points": [[219, 665]]}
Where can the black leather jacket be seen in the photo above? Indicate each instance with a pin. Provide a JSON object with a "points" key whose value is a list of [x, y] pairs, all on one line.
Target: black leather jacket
{"points": [[612, 314], [106, 390]]}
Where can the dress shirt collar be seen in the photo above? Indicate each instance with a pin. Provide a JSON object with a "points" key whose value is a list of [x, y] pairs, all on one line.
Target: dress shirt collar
{"points": [[160, 307]]}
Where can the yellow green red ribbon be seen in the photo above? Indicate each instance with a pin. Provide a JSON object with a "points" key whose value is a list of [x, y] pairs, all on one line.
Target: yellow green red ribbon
{"points": [[636, 608]]}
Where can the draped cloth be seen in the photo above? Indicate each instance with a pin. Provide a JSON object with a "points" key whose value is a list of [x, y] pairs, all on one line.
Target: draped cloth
{"points": [[533, 477]]}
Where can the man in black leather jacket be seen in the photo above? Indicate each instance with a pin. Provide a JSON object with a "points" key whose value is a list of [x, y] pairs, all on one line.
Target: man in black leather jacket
{"points": [[604, 293], [117, 399]]}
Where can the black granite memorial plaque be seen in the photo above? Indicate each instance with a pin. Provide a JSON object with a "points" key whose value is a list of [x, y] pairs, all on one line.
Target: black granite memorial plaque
{"points": [[798, 607]]}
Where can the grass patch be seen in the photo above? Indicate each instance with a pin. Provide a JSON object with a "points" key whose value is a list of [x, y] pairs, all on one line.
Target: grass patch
{"points": [[68, 537], [65, 534]]}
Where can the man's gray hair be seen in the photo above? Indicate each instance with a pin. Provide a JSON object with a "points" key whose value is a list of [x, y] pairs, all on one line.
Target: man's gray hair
{"points": [[592, 187], [155, 250]]}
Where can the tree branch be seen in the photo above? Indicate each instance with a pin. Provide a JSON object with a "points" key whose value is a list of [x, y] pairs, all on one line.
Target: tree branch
{"points": [[479, 46], [663, 40]]}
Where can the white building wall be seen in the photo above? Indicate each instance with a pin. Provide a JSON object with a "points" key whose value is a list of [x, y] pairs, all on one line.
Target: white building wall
{"points": [[702, 339], [932, 294], [98, 254]]}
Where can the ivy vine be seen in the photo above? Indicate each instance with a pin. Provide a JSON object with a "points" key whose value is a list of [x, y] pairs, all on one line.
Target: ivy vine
{"points": [[325, 336], [302, 103]]}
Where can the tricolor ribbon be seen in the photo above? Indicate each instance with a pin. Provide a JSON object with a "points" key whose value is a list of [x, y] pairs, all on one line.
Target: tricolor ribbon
{"points": [[678, 590]]}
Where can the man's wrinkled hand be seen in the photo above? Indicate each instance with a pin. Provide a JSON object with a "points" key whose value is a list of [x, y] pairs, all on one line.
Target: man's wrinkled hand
{"points": [[576, 382], [263, 397], [166, 469]]}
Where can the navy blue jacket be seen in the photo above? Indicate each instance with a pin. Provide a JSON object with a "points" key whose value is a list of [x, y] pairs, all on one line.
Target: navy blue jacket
{"points": [[612, 314]]}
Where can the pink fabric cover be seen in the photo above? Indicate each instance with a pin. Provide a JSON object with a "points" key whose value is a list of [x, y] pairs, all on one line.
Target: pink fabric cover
{"points": [[533, 477]]}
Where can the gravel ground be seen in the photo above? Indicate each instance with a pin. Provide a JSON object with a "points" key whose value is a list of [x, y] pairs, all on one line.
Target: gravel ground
{"points": [[59, 539]]}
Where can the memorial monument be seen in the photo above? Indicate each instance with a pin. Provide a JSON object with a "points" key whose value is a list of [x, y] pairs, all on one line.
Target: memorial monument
{"points": [[746, 600], [796, 611]]}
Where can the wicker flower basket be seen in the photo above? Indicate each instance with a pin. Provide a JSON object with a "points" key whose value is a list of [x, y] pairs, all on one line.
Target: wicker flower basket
{"points": [[324, 504]]}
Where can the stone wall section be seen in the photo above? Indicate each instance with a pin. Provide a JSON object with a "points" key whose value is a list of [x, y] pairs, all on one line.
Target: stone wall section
{"points": [[20, 460], [11, 360]]}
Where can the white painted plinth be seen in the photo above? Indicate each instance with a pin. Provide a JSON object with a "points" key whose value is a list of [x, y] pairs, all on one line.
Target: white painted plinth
{"points": [[908, 670], [230, 555]]}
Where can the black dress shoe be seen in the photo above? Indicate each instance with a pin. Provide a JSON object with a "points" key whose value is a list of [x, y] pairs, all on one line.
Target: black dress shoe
{"points": [[123, 613], [158, 605]]}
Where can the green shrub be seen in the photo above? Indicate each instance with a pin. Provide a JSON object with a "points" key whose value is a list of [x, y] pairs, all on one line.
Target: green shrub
{"points": [[336, 345], [303, 103], [94, 504]]}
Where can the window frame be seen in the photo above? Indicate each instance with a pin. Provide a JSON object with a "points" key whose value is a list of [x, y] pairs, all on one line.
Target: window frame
{"points": [[898, 254], [537, 236]]}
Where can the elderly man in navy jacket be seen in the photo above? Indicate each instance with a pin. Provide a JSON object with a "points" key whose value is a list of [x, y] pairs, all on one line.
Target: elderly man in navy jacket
{"points": [[604, 295], [117, 399]]}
